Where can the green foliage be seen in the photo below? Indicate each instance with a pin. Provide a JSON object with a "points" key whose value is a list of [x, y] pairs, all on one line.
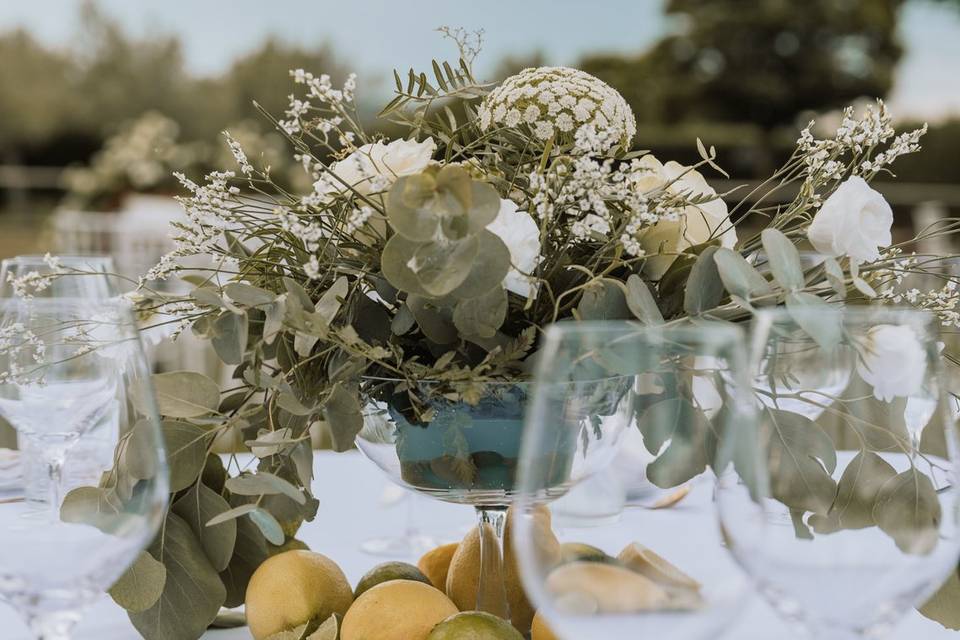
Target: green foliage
{"points": [[762, 64]]}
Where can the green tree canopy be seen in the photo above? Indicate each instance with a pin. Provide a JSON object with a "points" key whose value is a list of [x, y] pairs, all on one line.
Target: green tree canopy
{"points": [[763, 62]]}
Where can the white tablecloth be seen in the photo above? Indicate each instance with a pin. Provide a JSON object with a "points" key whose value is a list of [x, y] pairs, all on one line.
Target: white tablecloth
{"points": [[350, 490]]}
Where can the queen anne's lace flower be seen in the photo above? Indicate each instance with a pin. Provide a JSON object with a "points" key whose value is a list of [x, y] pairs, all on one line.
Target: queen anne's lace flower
{"points": [[568, 104]]}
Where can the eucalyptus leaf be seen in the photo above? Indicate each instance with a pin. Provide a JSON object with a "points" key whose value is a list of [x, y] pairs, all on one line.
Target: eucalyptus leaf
{"points": [[481, 316], [835, 276], [856, 494], [186, 446], [97, 507], [784, 259], [198, 507], [141, 585], [395, 264], [138, 456], [268, 526], [205, 296], [436, 324], [184, 394], [330, 302], [641, 302], [248, 295], [821, 321], [604, 300], [704, 289], [488, 270], [408, 208], [800, 459], [289, 403], [942, 607], [271, 443], [232, 514], [739, 277], [908, 510], [403, 321], [263, 483], [343, 414], [229, 340], [441, 267], [250, 551], [691, 444], [298, 295], [192, 594]]}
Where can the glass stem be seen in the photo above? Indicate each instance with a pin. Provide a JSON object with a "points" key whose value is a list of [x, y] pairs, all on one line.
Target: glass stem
{"points": [[55, 478], [491, 593]]}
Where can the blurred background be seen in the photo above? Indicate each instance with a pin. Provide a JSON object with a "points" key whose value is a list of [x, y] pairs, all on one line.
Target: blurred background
{"points": [[101, 100]]}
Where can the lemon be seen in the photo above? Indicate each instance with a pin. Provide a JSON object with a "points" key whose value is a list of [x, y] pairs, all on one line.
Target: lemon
{"points": [[540, 630], [386, 572], [463, 579], [474, 625], [435, 564], [292, 588], [396, 610], [548, 552], [596, 587], [644, 561], [574, 551]]}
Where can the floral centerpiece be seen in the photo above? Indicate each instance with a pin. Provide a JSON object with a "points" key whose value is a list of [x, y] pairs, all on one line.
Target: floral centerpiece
{"points": [[441, 255]]}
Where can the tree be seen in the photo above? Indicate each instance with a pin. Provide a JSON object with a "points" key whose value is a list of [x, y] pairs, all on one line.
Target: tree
{"points": [[34, 92], [761, 62], [264, 76]]}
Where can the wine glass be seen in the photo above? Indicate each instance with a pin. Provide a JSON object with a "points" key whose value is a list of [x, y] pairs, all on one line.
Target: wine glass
{"points": [[846, 514], [64, 364], [61, 277], [656, 572], [468, 452], [411, 542], [78, 276]]}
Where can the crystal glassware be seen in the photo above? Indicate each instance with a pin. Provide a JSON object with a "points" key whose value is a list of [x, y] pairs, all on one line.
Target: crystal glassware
{"points": [[655, 572], [64, 364], [78, 276], [845, 509], [468, 452]]}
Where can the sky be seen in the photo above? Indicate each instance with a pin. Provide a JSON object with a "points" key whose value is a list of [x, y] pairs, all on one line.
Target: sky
{"points": [[375, 36]]}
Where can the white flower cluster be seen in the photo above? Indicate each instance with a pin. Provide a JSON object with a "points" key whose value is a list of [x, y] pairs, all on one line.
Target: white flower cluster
{"points": [[209, 212], [943, 302], [562, 103], [239, 154], [19, 345], [34, 281], [857, 137], [591, 193], [330, 107]]}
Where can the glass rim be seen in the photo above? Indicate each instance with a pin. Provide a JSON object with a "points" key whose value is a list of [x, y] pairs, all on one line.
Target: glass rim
{"points": [[40, 257], [703, 332], [115, 303], [853, 312]]}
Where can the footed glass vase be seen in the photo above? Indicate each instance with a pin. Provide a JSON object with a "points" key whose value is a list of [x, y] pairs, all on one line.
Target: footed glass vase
{"points": [[467, 454]]}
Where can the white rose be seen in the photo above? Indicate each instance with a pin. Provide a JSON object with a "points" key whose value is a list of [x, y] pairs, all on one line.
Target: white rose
{"points": [[893, 361], [696, 225], [519, 231], [375, 166], [854, 221]]}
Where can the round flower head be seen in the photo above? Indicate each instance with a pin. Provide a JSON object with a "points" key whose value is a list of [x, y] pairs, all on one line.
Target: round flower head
{"points": [[561, 103]]}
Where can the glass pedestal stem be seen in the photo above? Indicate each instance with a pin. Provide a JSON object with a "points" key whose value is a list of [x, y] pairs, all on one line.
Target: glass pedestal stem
{"points": [[491, 593]]}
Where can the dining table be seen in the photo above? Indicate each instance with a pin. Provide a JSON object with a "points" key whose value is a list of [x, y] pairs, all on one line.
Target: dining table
{"points": [[364, 508]]}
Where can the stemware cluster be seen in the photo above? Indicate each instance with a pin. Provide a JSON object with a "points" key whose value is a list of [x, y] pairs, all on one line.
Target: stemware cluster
{"points": [[810, 454], [75, 385]]}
